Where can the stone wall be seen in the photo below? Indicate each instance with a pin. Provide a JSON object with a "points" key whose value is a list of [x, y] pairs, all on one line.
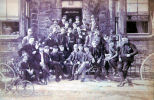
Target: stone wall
{"points": [[8, 49], [42, 12]]}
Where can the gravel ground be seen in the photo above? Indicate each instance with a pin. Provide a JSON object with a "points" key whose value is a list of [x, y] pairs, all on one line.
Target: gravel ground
{"points": [[90, 90]]}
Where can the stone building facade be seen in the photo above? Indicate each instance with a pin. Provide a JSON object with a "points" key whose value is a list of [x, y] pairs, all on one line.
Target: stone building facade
{"points": [[110, 15]]}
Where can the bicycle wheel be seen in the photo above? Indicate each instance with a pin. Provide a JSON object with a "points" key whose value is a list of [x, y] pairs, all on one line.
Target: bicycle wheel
{"points": [[25, 88], [7, 71], [147, 68]]}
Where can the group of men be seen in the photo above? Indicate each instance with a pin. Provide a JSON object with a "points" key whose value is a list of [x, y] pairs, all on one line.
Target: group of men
{"points": [[71, 49]]}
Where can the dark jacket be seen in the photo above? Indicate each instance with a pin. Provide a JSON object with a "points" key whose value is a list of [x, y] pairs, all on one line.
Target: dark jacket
{"points": [[28, 49], [128, 48]]}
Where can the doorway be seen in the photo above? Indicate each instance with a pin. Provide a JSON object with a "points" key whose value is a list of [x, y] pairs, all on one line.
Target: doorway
{"points": [[72, 13]]}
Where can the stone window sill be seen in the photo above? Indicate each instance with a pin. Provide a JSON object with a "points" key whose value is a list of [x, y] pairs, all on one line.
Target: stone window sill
{"points": [[140, 36], [8, 37]]}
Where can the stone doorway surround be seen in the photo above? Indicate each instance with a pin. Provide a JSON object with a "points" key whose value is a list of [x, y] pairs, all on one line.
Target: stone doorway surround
{"points": [[72, 9]]}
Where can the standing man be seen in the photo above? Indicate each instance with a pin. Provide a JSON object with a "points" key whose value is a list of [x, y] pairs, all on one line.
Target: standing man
{"points": [[26, 38], [72, 39], [126, 55], [62, 38], [54, 25]]}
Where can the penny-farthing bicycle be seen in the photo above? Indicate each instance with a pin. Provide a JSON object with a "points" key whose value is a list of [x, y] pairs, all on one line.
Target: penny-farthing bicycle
{"points": [[147, 68], [13, 79]]}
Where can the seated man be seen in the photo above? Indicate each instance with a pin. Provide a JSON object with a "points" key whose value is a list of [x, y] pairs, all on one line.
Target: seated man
{"points": [[86, 64], [98, 58], [110, 60], [73, 61], [27, 72], [31, 51], [55, 59], [63, 56], [80, 57], [40, 67], [47, 62]]}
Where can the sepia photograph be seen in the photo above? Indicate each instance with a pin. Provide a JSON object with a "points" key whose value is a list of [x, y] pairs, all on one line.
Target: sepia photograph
{"points": [[76, 49]]}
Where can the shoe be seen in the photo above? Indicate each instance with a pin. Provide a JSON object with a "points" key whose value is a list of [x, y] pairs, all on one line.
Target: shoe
{"points": [[45, 82], [121, 84], [129, 82], [107, 77], [82, 80], [115, 74], [72, 78], [40, 83], [57, 79], [69, 77], [63, 77], [76, 76]]}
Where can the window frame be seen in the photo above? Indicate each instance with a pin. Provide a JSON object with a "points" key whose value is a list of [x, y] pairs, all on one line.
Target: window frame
{"points": [[137, 14]]}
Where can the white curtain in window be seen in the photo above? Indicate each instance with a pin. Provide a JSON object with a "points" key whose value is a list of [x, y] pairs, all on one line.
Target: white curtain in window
{"points": [[142, 27]]}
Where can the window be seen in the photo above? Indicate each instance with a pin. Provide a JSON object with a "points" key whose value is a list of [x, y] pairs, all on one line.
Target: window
{"points": [[137, 16], [9, 17]]}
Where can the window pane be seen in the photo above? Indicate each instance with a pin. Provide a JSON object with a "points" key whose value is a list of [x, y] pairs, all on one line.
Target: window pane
{"points": [[2, 8], [9, 28], [143, 1], [12, 8], [137, 27], [131, 7], [143, 8], [131, 1]]}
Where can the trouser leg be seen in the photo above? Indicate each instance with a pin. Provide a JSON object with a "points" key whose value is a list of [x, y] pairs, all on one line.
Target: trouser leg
{"points": [[120, 71], [81, 68], [74, 69], [56, 71], [104, 68], [37, 74], [60, 70], [125, 69], [69, 70], [112, 64], [84, 70]]}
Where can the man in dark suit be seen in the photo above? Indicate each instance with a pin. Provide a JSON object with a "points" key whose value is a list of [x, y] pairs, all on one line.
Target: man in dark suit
{"points": [[62, 38], [40, 65], [72, 39], [55, 58], [28, 48], [52, 38], [63, 56], [62, 22], [98, 58], [25, 68], [126, 54]]}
